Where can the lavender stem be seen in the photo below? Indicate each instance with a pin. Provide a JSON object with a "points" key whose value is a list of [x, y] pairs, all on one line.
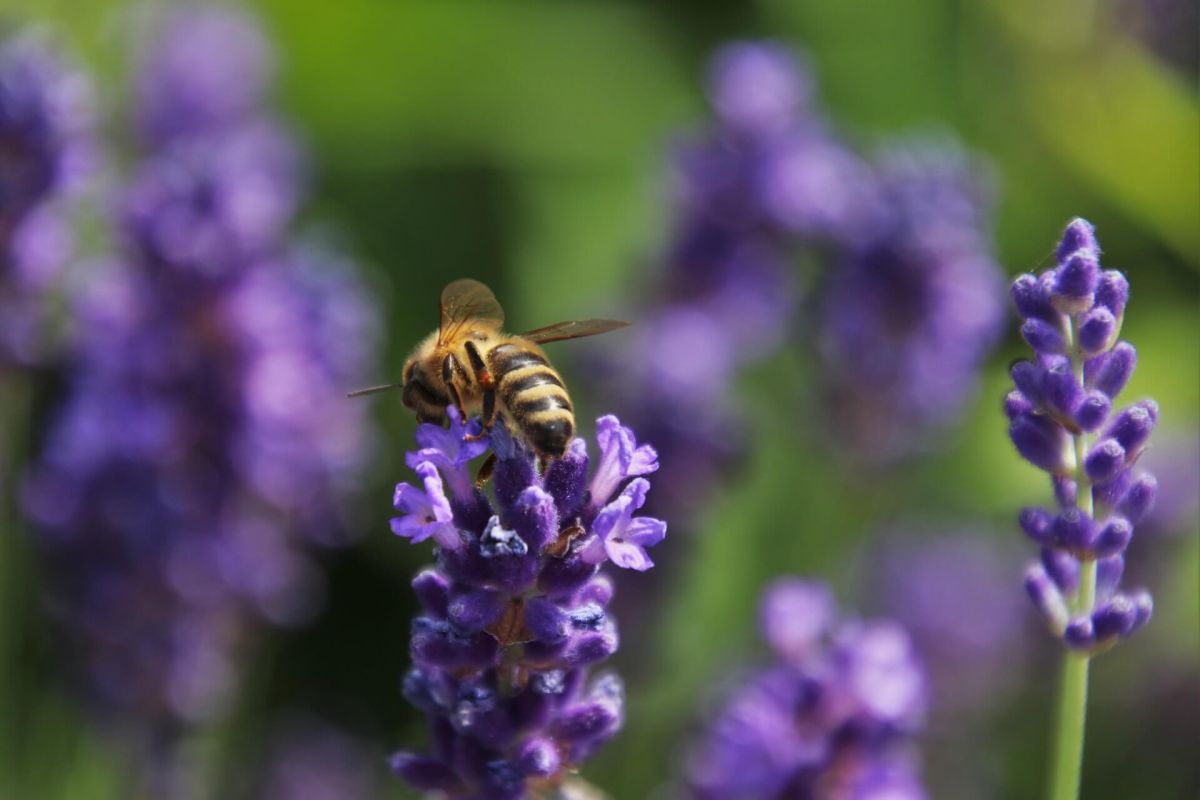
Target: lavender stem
{"points": [[1072, 708]]}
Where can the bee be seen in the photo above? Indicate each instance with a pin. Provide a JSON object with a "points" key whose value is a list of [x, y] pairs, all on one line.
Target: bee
{"points": [[470, 363]]}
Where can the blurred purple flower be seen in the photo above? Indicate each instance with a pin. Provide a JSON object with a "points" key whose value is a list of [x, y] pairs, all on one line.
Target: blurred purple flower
{"points": [[205, 441], [313, 760], [914, 307], [45, 154], [515, 610], [953, 594], [1061, 421], [206, 71], [724, 297], [833, 718]]}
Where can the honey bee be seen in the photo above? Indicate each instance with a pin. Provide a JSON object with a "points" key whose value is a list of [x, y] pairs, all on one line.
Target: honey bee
{"points": [[469, 362]]}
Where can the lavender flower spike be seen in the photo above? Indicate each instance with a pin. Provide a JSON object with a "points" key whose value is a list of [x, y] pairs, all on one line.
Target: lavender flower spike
{"points": [[1061, 422], [515, 608], [45, 150], [915, 305], [834, 716], [204, 441]]}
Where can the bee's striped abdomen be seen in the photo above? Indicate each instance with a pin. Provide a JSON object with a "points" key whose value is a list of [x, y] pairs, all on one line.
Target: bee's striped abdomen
{"points": [[535, 398]]}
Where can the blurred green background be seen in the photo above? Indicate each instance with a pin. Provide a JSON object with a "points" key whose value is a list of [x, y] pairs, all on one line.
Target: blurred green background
{"points": [[524, 143]]}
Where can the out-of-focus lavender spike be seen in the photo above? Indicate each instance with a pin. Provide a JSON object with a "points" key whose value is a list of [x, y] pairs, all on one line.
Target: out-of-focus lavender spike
{"points": [[46, 130], [914, 304], [843, 708], [205, 442]]}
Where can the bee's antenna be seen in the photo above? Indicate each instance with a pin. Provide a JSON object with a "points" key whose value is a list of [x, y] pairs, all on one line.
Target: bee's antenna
{"points": [[374, 389]]}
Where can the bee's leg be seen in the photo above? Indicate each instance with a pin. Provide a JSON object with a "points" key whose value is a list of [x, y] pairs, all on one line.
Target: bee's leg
{"points": [[450, 367], [485, 470], [487, 385], [456, 400], [489, 408]]}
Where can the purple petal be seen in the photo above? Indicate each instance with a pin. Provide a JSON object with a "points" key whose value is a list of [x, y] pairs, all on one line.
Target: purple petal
{"points": [[627, 555], [646, 531]]}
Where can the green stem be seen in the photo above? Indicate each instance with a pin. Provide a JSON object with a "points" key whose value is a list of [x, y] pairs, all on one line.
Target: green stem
{"points": [[1072, 704], [1072, 714]]}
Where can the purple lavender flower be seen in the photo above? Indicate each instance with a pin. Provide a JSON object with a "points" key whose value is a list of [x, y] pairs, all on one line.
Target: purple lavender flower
{"points": [[205, 72], [767, 175], [205, 441], [45, 154], [834, 717], [914, 306], [515, 609], [1061, 421]]}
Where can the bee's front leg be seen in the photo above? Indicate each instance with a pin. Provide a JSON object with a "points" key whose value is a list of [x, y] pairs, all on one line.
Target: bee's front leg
{"points": [[451, 367], [487, 386]]}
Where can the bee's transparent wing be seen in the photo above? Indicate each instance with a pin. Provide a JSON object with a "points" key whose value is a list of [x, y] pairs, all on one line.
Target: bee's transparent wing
{"points": [[573, 329], [465, 300]]}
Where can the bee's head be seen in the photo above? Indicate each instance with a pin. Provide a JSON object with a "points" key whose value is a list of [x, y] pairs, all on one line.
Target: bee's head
{"points": [[424, 390]]}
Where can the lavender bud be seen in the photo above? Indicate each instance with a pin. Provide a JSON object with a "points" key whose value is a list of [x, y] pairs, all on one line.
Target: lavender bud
{"points": [[1075, 282], [1074, 530], [1106, 495], [1062, 391], [1043, 443], [1109, 372], [599, 590], [1080, 634], [433, 591], [1037, 524], [1113, 292], [1062, 568], [566, 479], [1032, 301], [540, 757], [1138, 501], [1113, 538], [1044, 337], [1078, 235], [1092, 411], [1143, 604], [1027, 376], [1097, 331], [1133, 426], [476, 609], [598, 716], [1047, 598], [1106, 459], [1114, 618], [546, 620], [1016, 404]]}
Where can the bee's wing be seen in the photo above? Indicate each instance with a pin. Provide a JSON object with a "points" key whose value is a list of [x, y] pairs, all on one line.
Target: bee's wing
{"points": [[465, 300], [573, 329]]}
